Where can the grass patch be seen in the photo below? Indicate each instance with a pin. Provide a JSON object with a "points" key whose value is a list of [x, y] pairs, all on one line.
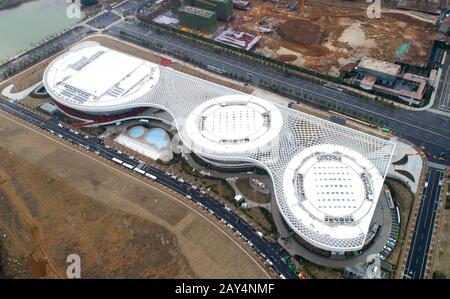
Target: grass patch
{"points": [[263, 218], [406, 174], [403, 197], [94, 131], [321, 272], [218, 186]]}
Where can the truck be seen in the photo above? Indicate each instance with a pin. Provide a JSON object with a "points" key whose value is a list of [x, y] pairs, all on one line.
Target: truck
{"points": [[144, 121]]}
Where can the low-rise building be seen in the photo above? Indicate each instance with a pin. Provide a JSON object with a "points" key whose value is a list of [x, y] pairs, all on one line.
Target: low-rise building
{"points": [[385, 72], [49, 108], [390, 78]]}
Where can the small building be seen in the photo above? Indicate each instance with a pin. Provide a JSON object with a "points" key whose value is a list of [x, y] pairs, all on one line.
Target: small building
{"points": [[197, 19], [238, 39], [49, 108], [391, 78], [223, 8], [239, 198], [385, 71]]}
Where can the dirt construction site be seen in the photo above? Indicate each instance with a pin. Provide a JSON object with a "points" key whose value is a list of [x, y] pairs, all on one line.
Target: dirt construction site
{"points": [[330, 38]]}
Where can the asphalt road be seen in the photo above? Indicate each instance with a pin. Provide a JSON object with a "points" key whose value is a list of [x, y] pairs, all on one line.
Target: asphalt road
{"points": [[420, 244], [129, 7], [421, 127], [264, 247], [103, 20]]}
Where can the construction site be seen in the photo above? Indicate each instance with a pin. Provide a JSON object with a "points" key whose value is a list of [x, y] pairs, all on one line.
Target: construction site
{"points": [[330, 38], [323, 36]]}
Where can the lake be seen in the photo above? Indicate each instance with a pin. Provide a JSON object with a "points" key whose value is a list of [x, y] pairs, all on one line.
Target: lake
{"points": [[25, 25]]}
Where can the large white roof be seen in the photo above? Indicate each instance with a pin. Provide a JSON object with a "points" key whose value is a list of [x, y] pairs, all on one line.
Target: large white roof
{"points": [[235, 123], [331, 189], [95, 76], [283, 141]]}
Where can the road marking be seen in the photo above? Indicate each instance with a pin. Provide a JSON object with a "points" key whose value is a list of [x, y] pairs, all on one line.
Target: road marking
{"points": [[144, 183], [415, 231], [430, 228]]}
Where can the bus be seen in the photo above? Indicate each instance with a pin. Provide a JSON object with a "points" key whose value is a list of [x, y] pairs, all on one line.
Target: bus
{"points": [[129, 166], [138, 170], [215, 69], [150, 176], [117, 160], [333, 86], [352, 118]]}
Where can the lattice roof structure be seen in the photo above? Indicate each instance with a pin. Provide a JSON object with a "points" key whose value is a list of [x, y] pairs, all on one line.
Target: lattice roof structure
{"points": [[294, 147]]}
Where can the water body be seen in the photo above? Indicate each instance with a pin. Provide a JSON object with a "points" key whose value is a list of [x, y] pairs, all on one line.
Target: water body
{"points": [[137, 132], [158, 138], [24, 26]]}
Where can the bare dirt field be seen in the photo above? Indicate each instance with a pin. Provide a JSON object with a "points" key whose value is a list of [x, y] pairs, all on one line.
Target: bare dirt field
{"points": [[330, 38], [56, 201]]}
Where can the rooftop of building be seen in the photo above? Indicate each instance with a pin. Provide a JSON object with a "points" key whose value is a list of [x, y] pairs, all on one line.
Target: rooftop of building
{"points": [[197, 11], [331, 188], [92, 75], [235, 123], [379, 66]]}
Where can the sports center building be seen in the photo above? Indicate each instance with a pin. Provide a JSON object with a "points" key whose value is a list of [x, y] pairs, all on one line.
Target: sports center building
{"points": [[327, 178]]}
